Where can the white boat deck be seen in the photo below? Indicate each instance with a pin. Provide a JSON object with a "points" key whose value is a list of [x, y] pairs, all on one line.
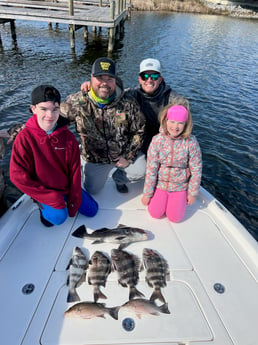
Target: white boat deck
{"points": [[208, 247]]}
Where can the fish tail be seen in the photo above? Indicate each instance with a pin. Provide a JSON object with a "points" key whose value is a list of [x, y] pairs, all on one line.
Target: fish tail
{"points": [[157, 294], [113, 312], [80, 232], [164, 308], [123, 245], [73, 296], [135, 293], [98, 294]]}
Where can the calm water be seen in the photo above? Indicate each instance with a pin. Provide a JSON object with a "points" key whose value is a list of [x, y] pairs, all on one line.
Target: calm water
{"points": [[212, 60]]}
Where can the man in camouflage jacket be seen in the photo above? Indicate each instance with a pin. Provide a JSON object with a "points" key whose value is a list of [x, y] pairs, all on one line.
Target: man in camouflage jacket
{"points": [[111, 128]]}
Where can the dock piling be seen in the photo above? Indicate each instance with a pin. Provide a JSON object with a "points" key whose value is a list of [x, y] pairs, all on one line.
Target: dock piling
{"points": [[76, 14]]}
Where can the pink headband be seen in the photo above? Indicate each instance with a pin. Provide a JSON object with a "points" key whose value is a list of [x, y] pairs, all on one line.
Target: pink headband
{"points": [[177, 113]]}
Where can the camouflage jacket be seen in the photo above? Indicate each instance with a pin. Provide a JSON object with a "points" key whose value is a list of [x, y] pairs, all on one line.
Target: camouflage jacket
{"points": [[106, 133]]}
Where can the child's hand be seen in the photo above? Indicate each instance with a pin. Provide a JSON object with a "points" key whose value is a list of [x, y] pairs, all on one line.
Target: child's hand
{"points": [[190, 199], [145, 200]]}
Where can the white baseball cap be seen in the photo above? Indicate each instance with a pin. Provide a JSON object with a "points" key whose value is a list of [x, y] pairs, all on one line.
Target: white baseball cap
{"points": [[150, 65]]}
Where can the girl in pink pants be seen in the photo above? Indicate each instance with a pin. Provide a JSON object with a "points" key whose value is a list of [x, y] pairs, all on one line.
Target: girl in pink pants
{"points": [[174, 164]]}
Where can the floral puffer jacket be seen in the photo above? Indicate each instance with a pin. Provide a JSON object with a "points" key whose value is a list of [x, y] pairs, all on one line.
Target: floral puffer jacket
{"points": [[173, 165]]}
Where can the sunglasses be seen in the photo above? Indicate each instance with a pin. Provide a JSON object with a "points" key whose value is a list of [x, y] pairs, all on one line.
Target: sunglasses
{"points": [[153, 76]]}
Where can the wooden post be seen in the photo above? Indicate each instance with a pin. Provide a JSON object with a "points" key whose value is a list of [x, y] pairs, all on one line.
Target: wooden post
{"points": [[72, 36], [85, 33], [71, 26], [111, 40], [12, 24], [111, 30], [71, 9]]}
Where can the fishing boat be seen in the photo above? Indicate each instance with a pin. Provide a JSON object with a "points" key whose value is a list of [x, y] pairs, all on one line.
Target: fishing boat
{"points": [[212, 293]]}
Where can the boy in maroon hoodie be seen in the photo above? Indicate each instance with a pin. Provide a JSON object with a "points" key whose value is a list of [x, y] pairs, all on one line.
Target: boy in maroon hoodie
{"points": [[45, 161]]}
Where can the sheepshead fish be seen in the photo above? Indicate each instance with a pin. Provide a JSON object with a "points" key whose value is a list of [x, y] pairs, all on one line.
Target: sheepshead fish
{"points": [[141, 306], [77, 266], [157, 272], [127, 267], [89, 310], [122, 234], [99, 269]]}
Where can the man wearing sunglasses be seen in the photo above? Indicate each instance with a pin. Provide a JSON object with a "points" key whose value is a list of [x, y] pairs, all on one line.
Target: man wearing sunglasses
{"points": [[152, 94]]}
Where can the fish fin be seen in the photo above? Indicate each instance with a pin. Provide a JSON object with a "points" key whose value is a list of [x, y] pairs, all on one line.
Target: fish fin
{"points": [[154, 313], [122, 283], [103, 316], [157, 294], [164, 309], [123, 245], [81, 280], [135, 293], [80, 232], [98, 294], [73, 296], [97, 241], [113, 312], [69, 264], [148, 282], [102, 230], [139, 316], [122, 226]]}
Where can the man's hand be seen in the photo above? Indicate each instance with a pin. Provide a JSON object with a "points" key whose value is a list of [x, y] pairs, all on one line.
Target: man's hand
{"points": [[122, 163], [13, 131], [85, 87]]}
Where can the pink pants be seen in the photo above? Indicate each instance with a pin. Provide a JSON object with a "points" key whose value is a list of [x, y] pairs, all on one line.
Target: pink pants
{"points": [[171, 203]]}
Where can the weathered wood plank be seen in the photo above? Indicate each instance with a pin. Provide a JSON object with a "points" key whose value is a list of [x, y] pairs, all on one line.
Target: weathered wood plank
{"points": [[92, 16], [85, 13]]}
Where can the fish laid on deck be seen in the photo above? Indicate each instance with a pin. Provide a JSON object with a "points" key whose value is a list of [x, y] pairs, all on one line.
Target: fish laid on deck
{"points": [[141, 306], [122, 234], [157, 272], [127, 267], [77, 266], [89, 310], [99, 269]]}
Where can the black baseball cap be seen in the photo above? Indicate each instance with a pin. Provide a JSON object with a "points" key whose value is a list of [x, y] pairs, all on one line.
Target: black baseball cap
{"points": [[103, 66], [45, 93]]}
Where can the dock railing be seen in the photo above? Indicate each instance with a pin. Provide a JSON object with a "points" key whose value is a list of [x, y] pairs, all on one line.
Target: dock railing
{"points": [[76, 13]]}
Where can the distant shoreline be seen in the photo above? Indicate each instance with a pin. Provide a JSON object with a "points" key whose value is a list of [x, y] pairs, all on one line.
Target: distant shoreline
{"points": [[194, 6]]}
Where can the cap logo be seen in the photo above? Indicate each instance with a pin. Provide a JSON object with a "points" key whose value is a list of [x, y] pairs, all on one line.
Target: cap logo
{"points": [[105, 66]]}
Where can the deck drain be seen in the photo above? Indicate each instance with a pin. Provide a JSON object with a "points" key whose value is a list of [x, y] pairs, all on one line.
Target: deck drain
{"points": [[28, 289], [219, 288], [128, 324]]}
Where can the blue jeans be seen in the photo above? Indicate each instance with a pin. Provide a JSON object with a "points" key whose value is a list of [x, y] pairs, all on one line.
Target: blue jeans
{"points": [[89, 207]]}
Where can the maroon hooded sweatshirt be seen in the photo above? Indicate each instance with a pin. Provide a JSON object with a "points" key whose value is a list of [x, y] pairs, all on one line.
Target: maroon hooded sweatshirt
{"points": [[47, 166]]}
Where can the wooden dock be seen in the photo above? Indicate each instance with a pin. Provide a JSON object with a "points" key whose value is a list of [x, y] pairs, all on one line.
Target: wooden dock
{"points": [[96, 13]]}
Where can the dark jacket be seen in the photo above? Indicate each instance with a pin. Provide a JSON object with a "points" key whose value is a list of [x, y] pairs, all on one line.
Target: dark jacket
{"points": [[151, 105]]}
